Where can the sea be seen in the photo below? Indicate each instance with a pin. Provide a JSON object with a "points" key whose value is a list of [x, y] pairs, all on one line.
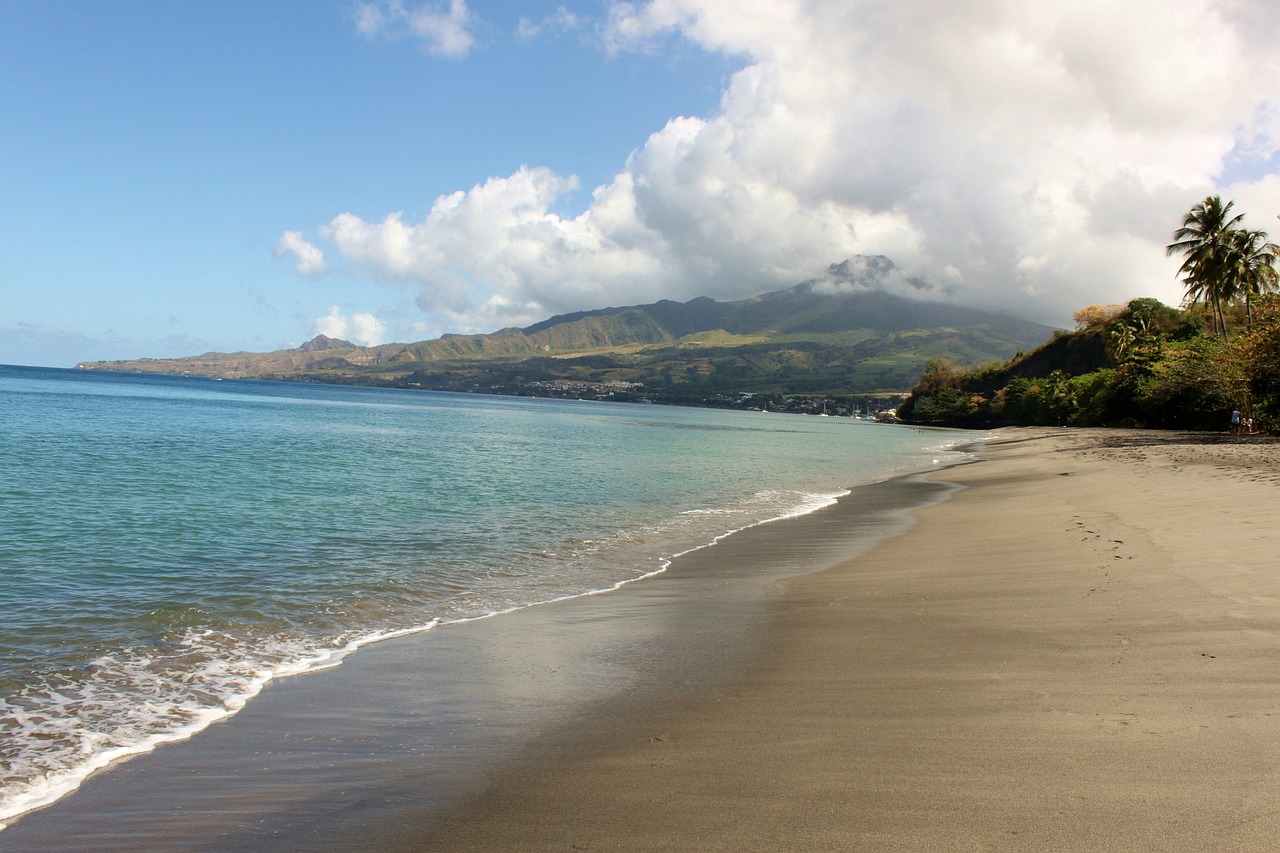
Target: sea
{"points": [[170, 545]]}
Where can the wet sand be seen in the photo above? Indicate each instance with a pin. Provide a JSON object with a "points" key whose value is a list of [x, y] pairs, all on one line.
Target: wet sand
{"points": [[408, 731], [1078, 651]]}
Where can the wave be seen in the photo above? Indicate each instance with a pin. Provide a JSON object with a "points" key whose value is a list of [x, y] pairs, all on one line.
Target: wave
{"points": [[132, 702]]}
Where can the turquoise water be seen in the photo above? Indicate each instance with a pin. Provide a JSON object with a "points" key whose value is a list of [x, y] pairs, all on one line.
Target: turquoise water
{"points": [[168, 544]]}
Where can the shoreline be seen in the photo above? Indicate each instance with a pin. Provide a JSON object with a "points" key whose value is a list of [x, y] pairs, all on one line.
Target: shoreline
{"points": [[208, 673], [453, 704], [1074, 652]]}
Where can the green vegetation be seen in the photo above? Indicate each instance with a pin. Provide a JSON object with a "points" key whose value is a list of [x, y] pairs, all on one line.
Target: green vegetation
{"points": [[840, 338], [1144, 363], [691, 373]]}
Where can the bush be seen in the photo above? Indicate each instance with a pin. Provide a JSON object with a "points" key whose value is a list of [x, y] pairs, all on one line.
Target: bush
{"points": [[1159, 370]]}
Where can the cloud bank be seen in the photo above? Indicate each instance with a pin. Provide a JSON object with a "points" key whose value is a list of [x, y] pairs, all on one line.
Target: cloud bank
{"points": [[1018, 155]]}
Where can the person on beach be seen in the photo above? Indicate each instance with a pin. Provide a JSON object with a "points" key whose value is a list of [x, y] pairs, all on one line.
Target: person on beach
{"points": [[1235, 421]]}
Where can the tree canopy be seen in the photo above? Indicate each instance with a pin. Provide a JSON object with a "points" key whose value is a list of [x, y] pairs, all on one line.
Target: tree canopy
{"points": [[1223, 262], [1143, 363]]}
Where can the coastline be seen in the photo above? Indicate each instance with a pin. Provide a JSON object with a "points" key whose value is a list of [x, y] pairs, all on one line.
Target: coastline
{"points": [[411, 729], [295, 524], [1075, 652]]}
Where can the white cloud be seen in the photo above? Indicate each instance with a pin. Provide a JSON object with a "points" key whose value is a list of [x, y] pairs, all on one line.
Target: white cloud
{"points": [[495, 255], [359, 328], [560, 21], [1027, 156], [442, 32], [309, 258]]}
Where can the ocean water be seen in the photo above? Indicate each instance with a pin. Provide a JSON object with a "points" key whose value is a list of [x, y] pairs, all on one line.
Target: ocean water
{"points": [[168, 545]]}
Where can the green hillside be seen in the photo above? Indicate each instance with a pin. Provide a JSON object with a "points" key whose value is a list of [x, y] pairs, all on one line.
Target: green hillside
{"points": [[1144, 365], [842, 335]]}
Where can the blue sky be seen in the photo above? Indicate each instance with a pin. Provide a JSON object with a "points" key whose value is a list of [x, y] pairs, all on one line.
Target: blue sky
{"points": [[181, 177], [156, 151]]}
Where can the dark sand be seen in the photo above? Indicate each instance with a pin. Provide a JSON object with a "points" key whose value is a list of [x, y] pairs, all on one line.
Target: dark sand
{"points": [[1079, 651], [408, 731]]}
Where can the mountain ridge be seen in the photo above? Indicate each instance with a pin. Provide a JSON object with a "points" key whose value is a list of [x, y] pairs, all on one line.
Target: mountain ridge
{"points": [[845, 320]]}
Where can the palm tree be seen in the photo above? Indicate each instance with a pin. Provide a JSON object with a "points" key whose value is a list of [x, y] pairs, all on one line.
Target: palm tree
{"points": [[1203, 239], [1250, 264], [1120, 341], [1127, 338]]}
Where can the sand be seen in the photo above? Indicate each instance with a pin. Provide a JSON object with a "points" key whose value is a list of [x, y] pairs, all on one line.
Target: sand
{"points": [[409, 730], [1075, 651], [1078, 650]]}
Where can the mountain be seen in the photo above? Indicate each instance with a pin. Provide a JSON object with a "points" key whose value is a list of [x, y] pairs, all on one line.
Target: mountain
{"points": [[843, 333], [324, 342]]}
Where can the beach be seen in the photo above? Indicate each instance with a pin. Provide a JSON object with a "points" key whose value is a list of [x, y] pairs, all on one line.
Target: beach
{"points": [[248, 614], [1067, 644], [408, 732], [1076, 651]]}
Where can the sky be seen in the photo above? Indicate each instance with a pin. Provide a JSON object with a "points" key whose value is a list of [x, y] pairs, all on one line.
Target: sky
{"points": [[177, 178]]}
